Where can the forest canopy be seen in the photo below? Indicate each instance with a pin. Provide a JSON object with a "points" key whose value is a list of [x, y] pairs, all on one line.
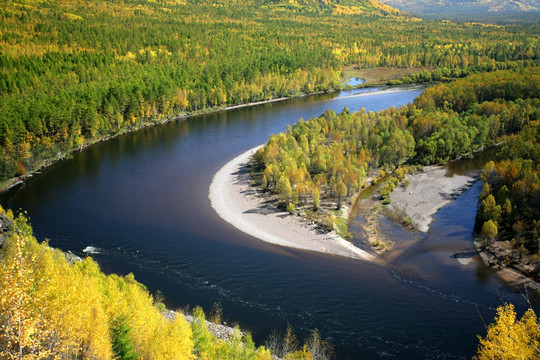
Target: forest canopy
{"points": [[331, 156], [73, 72]]}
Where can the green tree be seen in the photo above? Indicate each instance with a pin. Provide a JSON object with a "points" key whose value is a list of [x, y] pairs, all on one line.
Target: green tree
{"points": [[122, 342], [283, 189], [489, 229]]}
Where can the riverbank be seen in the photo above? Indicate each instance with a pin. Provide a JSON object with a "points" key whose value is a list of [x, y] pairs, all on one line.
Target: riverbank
{"points": [[502, 260], [427, 192], [6, 185], [430, 190], [242, 205], [45, 164]]}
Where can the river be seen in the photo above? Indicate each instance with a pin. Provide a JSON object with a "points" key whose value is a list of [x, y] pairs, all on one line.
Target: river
{"points": [[139, 203]]}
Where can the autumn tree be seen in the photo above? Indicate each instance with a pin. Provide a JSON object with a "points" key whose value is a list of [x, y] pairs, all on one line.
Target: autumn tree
{"points": [[510, 337], [23, 330], [489, 229]]}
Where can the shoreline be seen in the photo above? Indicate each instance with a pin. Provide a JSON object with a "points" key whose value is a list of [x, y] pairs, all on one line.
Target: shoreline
{"points": [[8, 184], [429, 191], [508, 274], [238, 203], [382, 91]]}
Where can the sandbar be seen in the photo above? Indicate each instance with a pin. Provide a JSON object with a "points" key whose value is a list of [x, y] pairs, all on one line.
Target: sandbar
{"points": [[427, 192], [239, 203]]}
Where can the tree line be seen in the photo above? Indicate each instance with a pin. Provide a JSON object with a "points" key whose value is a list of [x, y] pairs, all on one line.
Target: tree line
{"points": [[510, 198]]}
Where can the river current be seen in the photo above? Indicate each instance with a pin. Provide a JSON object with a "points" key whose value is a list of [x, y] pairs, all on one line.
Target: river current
{"points": [[139, 203]]}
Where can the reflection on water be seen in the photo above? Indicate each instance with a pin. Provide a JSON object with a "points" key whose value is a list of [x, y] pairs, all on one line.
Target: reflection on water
{"points": [[355, 81], [471, 164]]}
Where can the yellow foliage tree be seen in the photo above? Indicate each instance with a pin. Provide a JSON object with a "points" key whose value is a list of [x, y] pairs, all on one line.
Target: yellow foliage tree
{"points": [[22, 329], [52, 309], [510, 338]]}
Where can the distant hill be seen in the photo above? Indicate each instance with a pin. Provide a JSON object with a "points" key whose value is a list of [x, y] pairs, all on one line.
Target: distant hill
{"points": [[432, 7], [350, 7]]}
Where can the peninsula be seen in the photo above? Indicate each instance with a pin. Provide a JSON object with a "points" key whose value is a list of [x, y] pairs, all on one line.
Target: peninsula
{"points": [[239, 203]]}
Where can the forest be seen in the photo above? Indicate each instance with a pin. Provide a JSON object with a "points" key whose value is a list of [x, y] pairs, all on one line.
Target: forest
{"points": [[330, 157], [510, 199], [74, 72]]}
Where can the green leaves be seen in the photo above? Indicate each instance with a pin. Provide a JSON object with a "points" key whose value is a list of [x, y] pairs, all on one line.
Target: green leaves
{"points": [[122, 342]]}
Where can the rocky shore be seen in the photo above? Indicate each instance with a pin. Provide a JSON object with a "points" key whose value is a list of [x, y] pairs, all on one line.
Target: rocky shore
{"points": [[222, 332], [503, 259]]}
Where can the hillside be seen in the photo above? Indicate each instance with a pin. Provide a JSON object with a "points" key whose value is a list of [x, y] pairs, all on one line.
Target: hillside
{"points": [[445, 7], [54, 305], [347, 7]]}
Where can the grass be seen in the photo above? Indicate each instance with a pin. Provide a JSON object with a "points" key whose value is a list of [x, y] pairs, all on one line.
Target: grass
{"points": [[342, 228], [399, 216]]}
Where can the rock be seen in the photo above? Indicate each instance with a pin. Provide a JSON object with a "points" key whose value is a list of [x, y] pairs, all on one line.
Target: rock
{"points": [[6, 228], [222, 332]]}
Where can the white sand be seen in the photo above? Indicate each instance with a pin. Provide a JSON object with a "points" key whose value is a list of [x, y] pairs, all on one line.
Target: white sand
{"points": [[235, 200], [379, 92], [428, 191]]}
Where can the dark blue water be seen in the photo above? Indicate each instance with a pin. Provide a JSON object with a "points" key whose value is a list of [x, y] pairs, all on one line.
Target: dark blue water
{"points": [[141, 201]]}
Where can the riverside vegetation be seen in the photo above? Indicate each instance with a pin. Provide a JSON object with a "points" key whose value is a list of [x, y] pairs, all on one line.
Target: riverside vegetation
{"points": [[327, 159], [74, 72], [508, 218], [54, 306]]}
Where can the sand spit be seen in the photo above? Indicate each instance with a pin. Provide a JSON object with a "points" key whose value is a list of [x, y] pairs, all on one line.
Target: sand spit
{"points": [[428, 191], [238, 203]]}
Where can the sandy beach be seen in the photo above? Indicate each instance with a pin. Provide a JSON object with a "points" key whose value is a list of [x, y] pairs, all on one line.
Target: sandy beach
{"points": [[236, 201], [428, 191], [379, 92]]}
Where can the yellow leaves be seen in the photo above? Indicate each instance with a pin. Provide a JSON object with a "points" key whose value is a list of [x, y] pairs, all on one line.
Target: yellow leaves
{"points": [[154, 336], [347, 10], [510, 338], [22, 329], [130, 56], [71, 16], [50, 308], [171, 339]]}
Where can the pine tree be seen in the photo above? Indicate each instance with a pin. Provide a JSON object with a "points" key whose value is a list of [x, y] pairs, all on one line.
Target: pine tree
{"points": [[122, 341]]}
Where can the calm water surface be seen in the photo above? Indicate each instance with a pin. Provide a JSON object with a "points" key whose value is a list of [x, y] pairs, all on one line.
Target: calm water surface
{"points": [[141, 201]]}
